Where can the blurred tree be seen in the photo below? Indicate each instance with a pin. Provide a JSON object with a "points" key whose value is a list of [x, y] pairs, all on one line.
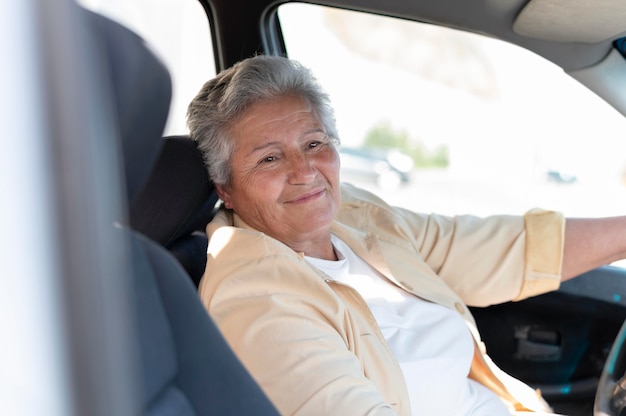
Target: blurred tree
{"points": [[384, 136]]}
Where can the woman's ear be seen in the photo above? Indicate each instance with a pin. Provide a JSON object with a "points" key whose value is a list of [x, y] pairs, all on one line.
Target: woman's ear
{"points": [[224, 194]]}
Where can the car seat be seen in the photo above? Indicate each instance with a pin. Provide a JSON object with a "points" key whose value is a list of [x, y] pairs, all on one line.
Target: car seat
{"points": [[176, 203], [186, 366]]}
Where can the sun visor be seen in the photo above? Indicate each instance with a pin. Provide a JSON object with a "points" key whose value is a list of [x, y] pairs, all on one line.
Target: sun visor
{"points": [[587, 21]]}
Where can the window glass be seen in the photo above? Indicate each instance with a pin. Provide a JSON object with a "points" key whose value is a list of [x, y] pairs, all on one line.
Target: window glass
{"points": [[490, 127], [178, 31]]}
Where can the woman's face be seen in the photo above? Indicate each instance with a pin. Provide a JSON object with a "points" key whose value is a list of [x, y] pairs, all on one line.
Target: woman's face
{"points": [[285, 173]]}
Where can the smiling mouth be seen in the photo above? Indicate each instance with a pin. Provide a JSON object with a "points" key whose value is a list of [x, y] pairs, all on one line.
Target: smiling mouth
{"points": [[308, 197]]}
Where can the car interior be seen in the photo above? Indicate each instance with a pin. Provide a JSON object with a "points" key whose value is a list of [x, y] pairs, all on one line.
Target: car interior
{"points": [[129, 217]]}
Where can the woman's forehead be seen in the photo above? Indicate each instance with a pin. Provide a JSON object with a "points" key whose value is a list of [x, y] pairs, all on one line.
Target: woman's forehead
{"points": [[279, 116]]}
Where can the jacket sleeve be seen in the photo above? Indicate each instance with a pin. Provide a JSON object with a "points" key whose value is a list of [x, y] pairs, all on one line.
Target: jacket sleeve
{"points": [[493, 259], [484, 261], [294, 344]]}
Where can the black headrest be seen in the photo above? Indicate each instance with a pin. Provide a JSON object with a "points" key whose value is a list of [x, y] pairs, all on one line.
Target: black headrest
{"points": [[142, 92], [168, 187], [178, 198]]}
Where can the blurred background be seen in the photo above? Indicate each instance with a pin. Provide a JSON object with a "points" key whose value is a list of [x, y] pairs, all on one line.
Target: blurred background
{"points": [[431, 119]]}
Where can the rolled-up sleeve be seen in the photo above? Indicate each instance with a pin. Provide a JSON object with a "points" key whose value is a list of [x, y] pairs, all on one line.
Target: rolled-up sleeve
{"points": [[497, 259], [545, 231]]}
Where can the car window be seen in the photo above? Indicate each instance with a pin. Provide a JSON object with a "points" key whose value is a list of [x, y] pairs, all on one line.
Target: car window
{"points": [[490, 128], [179, 33]]}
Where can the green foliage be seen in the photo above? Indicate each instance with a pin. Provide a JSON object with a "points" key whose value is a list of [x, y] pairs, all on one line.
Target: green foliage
{"points": [[384, 136]]}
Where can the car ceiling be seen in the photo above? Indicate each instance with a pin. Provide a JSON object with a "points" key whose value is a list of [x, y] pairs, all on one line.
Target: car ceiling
{"points": [[574, 34], [579, 21]]}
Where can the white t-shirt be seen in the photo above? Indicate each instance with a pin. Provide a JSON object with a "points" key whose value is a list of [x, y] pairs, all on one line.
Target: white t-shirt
{"points": [[431, 343]]}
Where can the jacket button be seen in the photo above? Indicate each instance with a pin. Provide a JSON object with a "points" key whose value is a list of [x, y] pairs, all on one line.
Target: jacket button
{"points": [[459, 307]]}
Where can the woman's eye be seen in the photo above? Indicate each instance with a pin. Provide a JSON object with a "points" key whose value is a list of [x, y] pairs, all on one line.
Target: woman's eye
{"points": [[268, 159], [315, 144], [318, 142]]}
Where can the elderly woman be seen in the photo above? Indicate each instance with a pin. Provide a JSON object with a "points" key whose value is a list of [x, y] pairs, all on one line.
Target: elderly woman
{"points": [[338, 303]]}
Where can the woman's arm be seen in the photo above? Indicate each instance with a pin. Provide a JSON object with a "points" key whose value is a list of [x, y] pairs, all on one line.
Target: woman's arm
{"points": [[591, 243]]}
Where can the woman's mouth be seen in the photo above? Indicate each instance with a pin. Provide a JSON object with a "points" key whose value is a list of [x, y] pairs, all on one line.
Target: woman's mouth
{"points": [[307, 197]]}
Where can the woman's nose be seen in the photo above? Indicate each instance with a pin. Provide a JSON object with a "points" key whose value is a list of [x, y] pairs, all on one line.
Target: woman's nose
{"points": [[301, 170]]}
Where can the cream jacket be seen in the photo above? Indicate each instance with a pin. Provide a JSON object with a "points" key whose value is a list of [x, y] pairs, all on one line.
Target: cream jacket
{"points": [[312, 343]]}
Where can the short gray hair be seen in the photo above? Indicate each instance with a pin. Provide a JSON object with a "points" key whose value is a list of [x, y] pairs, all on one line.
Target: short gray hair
{"points": [[223, 99]]}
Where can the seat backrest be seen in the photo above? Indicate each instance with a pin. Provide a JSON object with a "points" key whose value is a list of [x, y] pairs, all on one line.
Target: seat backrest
{"points": [[186, 365], [176, 203]]}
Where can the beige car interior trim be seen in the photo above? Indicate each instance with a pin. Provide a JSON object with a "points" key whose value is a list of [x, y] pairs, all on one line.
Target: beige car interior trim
{"points": [[587, 21]]}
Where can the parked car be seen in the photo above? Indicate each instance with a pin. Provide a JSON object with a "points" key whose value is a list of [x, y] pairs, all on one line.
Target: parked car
{"points": [[102, 244], [560, 177]]}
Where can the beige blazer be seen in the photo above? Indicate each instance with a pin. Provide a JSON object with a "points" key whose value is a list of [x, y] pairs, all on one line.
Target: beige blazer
{"points": [[312, 343]]}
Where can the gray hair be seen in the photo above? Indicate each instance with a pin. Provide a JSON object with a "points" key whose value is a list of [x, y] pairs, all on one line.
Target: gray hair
{"points": [[223, 99]]}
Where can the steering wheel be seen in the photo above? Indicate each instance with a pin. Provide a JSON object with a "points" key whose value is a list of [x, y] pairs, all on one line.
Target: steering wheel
{"points": [[611, 394]]}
